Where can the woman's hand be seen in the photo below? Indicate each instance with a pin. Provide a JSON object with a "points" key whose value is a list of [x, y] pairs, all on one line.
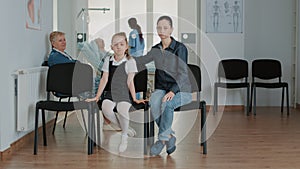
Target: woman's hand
{"points": [[169, 96]]}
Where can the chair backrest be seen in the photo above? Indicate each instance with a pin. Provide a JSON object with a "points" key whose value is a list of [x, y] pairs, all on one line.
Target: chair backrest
{"points": [[141, 79], [70, 79], [195, 77], [233, 69], [266, 69]]}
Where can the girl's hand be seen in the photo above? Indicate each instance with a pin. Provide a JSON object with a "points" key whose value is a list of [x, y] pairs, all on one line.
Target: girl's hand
{"points": [[92, 99], [140, 101]]}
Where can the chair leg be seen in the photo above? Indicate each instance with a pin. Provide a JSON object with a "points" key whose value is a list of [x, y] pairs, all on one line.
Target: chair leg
{"points": [[84, 122], [251, 98], [254, 99], [151, 129], [55, 121], [98, 126], [287, 100], [282, 99], [203, 126], [215, 99], [54, 126], [36, 131], [44, 127], [66, 115], [248, 110], [65, 119], [90, 119], [146, 131]]}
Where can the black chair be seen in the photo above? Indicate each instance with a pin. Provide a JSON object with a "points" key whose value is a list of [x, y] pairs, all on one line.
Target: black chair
{"points": [[195, 79], [233, 70], [60, 97], [71, 79], [140, 83], [268, 70]]}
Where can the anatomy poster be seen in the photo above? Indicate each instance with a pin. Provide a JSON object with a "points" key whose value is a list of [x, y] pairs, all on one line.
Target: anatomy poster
{"points": [[224, 16], [33, 14]]}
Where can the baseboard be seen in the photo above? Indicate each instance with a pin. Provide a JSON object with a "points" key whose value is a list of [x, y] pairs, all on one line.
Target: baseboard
{"points": [[227, 107], [26, 139]]}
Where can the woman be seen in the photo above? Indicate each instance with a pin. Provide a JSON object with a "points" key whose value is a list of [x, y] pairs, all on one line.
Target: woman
{"points": [[58, 54], [172, 85], [136, 40], [117, 86]]}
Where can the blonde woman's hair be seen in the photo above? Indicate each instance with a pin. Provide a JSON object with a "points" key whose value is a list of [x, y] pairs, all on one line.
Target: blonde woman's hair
{"points": [[122, 34], [54, 35]]}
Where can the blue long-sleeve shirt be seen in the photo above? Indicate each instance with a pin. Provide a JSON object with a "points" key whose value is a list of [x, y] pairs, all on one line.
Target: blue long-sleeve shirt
{"points": [[56, 57]]}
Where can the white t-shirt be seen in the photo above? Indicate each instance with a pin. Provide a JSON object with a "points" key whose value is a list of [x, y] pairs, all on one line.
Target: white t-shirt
{"points": [[130, 65]]}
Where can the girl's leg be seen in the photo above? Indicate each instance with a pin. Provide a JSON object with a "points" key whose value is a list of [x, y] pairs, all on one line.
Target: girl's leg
{"points": [[107, 109], [123, 110]]}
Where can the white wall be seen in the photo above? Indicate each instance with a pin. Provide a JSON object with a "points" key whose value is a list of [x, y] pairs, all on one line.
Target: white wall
{"points": [[20, 48], [187, 23], [214, 47], [298, 59], [268, 34]]}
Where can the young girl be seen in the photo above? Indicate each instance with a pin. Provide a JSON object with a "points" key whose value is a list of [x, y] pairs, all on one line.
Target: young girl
{"points": [[117, 86]]}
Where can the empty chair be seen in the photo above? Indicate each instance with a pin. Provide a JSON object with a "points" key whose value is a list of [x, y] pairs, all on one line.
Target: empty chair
{"points": [[268, 70], [232, 70]]}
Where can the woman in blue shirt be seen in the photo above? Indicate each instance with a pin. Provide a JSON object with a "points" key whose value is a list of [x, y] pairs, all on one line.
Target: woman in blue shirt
{"points": [[58, 54], [136, 40]]}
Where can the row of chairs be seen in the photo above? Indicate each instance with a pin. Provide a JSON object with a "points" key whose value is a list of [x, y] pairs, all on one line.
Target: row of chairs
{"points": [[73, 79], [268, 71]]}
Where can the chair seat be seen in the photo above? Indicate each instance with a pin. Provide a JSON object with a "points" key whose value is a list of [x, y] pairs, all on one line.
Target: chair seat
{"points": [[191, 106], [138, 106], [232, 85], [61, 106], [270, 85]]}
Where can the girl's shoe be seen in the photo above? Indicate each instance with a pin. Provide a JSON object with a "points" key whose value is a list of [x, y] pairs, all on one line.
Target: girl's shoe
{"points": [[123, 144]]}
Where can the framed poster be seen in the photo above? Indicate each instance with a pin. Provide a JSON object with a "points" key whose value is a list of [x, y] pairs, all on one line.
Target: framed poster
{"points": [[33, 14], [224, 16]]}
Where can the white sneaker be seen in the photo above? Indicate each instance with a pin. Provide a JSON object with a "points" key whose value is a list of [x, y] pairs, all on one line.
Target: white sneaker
{"points": [[123, 144], [131, 132]]}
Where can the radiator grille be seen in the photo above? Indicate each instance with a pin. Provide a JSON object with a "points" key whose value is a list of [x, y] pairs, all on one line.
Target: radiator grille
{"points": [[30, 86]]}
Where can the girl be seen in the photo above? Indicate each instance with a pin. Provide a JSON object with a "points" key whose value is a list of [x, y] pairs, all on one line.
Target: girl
{"points": [[117, 86]]}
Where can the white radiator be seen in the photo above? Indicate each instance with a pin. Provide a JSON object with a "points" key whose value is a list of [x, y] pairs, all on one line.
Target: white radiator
{"points": [[30, 87]]}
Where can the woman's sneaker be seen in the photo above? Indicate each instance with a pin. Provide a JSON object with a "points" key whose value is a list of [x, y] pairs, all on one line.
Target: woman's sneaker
{"points": [[156, 148], [123, 144], [171, 145]]}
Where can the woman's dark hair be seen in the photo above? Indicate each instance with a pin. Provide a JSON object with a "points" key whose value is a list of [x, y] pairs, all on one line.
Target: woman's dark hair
{"points": [[165, 18], [133, 24]]}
